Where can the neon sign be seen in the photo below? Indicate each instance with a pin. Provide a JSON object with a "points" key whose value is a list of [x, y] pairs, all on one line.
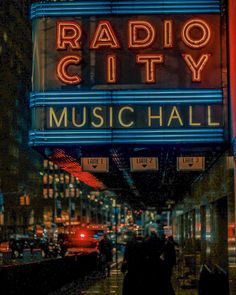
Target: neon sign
{"points": [[141, 35], [156, 77], [161, 52], [133, 116]]}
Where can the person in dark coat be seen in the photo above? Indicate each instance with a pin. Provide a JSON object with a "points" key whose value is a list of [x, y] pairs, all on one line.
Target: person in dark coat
{"points": [[156, 275], [105, 249], [169, 255], [135, 267], [13, 247], [63, 247]]}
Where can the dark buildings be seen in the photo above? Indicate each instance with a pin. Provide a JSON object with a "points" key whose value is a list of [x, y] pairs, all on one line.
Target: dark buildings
{"points": [[19, 165]]}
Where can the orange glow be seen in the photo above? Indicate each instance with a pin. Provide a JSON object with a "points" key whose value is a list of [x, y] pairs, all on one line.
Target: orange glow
{"points": [[62, 69], [231, 228], [27, 200], [104, 36], [150, 61], [168, 34], [111, 69], [69, 34], [4, 246], [193, 24], [24, 200], [134, 27], [196, 68]]}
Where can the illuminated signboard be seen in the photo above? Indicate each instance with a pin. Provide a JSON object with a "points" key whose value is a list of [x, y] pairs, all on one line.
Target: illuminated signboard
{"points": [[150, 72]]}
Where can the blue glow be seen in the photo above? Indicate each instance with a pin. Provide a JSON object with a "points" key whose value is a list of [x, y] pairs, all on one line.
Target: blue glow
{"points": [[134, 141], [67, 102], [123, 7], [162, 96], [138, 136], [104, 131]]}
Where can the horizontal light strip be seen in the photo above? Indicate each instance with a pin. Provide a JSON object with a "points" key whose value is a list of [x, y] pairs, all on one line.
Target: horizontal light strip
{"points": [[137, 136], [130, 141], [76, 8], [110, 131], [62, 137], [203, 96], [70, 8]]}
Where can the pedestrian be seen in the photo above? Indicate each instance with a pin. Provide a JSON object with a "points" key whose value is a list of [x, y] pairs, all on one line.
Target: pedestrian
{"points": [[63, 247], [134, 267], [156, 275], [154, 245], [169, 256], [105, 249], [13, 247], [45, 248], [163, 240]]}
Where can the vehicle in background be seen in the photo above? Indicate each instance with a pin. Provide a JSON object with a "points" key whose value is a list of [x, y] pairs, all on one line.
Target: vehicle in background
{"points": [[19, 243], [4, 246], [83, 239]]}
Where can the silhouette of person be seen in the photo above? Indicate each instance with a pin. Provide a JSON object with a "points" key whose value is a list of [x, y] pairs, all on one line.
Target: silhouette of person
{"points": [[156, 275], [169, 254], [105, 248], [135, 260]]}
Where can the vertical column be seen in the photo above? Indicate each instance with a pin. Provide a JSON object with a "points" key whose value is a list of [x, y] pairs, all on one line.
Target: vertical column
{"points": [[232, 76], [232, 63]]}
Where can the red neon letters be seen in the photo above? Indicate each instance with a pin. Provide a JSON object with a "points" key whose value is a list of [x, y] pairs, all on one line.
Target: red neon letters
{"points": [[150, 61], [141, 35], [62, 69], [104, 36], [134, 40], [68, 35]]}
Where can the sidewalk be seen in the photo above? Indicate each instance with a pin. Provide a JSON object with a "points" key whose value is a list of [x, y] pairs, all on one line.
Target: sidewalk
{"points": [[107, 286], [113, 285]]}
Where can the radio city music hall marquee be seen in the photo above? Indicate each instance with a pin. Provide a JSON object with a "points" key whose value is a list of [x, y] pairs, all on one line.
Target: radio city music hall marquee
{"points": [[142, 72]]}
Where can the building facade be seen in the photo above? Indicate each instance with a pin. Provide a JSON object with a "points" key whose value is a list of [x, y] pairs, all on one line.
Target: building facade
{"points": [[19, 165]]}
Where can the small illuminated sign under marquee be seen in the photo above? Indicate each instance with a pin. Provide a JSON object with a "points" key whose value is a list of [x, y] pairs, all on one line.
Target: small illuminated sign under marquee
{"points": [[191, 163], [95, 164], [143, 164]]}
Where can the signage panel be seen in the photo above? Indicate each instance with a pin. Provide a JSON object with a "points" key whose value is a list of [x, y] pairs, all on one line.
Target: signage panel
{"points": [[95, 164], [190, 163], [143, 164], [129, 116], [152, 75], [128, 52]]}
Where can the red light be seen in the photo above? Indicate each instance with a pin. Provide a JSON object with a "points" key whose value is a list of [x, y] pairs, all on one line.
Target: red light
{"points": [[82, 235], [69, 164]]}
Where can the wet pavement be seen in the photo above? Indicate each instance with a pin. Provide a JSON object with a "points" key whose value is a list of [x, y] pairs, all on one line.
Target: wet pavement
{"points": [[110, 285], [113, 285]]}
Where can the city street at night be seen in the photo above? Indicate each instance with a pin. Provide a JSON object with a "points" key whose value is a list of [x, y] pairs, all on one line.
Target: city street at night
{"points": [[118, 147]]}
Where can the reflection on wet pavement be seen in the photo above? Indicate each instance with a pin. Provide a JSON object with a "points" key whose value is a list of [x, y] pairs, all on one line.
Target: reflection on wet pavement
{"points": [[110, 285], [113, 285]]}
